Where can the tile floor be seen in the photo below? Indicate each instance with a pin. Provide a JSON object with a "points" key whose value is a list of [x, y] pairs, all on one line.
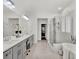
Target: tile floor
{"points": [[41, 50]]}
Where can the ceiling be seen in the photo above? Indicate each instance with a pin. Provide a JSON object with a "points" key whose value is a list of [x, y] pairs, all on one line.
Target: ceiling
{"points": [[34, 7]]}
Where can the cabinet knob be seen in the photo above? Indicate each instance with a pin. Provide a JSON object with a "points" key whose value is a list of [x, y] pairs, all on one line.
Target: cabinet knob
{"points": [[6, 54]]}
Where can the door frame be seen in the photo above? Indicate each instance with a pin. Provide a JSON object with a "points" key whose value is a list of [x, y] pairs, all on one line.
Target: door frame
{"points": [[39, 22]]}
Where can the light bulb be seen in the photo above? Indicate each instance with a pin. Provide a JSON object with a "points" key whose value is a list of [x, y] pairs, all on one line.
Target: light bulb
{"points": [[59, 8], [25, 17]]}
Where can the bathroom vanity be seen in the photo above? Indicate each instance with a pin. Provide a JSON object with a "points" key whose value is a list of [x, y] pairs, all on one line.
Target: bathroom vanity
{"points": [[16, 48]]}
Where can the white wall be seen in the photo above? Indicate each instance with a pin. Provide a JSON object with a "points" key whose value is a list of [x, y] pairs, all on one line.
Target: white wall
{"points": [[35, 27], [70, 11], [8, 30], [68, 26], [12, 25], [51, 31], [25, 26], [6, 27]]}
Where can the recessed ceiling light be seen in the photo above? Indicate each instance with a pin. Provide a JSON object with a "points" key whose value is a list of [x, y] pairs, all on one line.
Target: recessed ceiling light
{"points": [[25, 17], [13, 6], [59, 8]]}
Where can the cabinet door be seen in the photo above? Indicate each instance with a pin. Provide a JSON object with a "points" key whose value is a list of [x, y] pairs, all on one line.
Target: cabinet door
{"points": [[17, 51], [24, 49], [31, 40], [7, 54], [72, 56]]}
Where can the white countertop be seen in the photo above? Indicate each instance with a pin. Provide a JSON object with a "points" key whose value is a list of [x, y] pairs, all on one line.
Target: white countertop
{"points": [[9, 44]]}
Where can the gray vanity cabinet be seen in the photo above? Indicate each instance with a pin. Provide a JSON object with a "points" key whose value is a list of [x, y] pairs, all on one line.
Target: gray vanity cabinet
{"points": [[24, 49], [17, 51], [72, 56], [31, 39], [7, 54]]}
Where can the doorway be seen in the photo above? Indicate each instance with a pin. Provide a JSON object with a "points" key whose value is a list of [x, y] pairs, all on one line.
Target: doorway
{"points": [[43, 31]]}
